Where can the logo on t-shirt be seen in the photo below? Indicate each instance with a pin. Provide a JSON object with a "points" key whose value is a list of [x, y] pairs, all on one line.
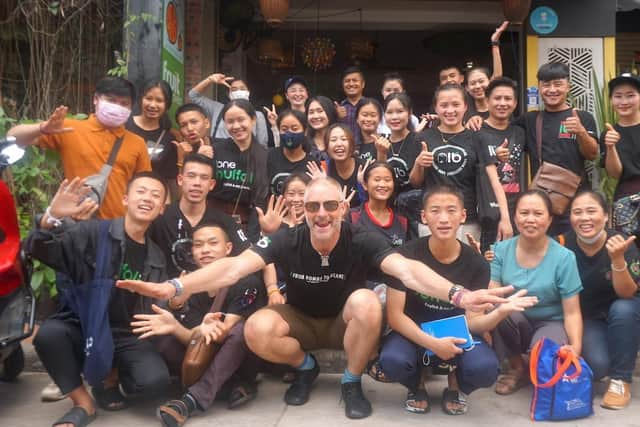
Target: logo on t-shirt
{"points": [[277, 182], [126, 273], [449, 160], [230, 175], [563, 133], [434, 303], [400, 169], [263, 243]]}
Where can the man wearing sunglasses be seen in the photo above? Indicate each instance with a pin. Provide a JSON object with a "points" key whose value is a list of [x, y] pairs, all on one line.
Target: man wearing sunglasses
{"points": [[326, 262]]}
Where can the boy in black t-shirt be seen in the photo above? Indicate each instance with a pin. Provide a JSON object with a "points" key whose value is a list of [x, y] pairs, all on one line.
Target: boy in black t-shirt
{"points": [[402, 354], [568, 135]]}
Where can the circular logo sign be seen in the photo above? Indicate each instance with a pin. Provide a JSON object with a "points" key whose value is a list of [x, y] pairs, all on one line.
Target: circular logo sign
{"points": [[449, 160], [543, 20]]}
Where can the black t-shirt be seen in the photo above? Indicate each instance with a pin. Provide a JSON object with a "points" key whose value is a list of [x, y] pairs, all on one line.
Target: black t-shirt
{"points": [[172, 233], [401, 157], [244, 298], [163, 157], [509, 172], [470, 270], [122, 305], [595, 272], [558, 146], [279, 168], [395, 231], [367, 151], [317, 290], [629, 152], [237, 177], [351, 182], [454, 163]]}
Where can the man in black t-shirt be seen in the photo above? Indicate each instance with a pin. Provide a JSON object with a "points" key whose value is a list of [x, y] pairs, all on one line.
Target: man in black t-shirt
{"points": [[326, 262], [568, 135]]}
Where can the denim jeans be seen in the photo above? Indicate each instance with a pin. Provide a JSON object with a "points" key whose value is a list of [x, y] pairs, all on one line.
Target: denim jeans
{"points": [[610, 345]]}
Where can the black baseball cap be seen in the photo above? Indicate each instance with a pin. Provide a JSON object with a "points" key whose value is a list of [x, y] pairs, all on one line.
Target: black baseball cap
{"points": [[295, 79], [625, 78]]}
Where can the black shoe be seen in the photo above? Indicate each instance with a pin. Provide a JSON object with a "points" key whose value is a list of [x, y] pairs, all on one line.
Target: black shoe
{"points": [[356, 404], [298, 393]]}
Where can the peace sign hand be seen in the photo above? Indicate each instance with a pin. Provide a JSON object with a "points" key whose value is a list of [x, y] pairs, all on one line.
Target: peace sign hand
{"points": [[362, 168], [347, 199], [272, 116]]}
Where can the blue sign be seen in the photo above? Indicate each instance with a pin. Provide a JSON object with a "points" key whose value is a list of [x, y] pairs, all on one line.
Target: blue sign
{"points": [[533, 99], [543, 20]]}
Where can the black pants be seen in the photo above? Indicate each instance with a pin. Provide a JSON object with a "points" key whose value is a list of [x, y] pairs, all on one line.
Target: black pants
{"points": [[141, 369]]}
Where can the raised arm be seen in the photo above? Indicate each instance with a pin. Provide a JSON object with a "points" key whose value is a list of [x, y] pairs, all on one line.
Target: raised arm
{"points": [[495, 50], [219, 274], [28, 134]]}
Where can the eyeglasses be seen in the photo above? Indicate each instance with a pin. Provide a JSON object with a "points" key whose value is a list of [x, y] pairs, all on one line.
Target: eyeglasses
{"points": [[328, 205]]}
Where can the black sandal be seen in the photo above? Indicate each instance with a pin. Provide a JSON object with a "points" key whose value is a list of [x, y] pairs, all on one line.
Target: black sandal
{"points": [[174, 413], [76, 416], [109, 399], [374, 370], [455, 397], [414, 397], [241, 393]]}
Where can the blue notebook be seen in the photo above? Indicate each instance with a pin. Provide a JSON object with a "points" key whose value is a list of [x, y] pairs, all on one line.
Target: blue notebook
{"points": [[455, 326]]}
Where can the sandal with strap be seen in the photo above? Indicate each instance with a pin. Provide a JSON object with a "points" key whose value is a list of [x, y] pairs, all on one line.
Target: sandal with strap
{"points": [[454, 397], [414, 397], [76, 416], [109, 399], [174, 413], [242, 393], [374, 370]]}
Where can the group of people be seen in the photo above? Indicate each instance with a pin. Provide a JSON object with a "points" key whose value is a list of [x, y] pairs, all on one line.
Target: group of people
{"points": [[336, 224]]}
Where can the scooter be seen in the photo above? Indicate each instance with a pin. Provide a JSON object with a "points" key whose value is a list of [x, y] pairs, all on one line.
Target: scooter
{"points": [[17, 301]]}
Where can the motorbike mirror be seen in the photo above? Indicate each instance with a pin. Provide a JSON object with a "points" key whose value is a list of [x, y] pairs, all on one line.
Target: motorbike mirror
{"points": [[10, 151]]}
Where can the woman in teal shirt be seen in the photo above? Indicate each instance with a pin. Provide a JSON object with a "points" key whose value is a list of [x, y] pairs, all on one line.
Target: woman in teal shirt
{"points": [[535, 262]]}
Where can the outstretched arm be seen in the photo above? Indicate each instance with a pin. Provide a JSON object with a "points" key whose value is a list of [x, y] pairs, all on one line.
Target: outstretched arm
{"points": [[219, 274]]}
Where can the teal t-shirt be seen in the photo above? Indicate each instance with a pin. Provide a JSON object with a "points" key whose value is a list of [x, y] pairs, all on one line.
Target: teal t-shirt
{"points": [[554, 279]]}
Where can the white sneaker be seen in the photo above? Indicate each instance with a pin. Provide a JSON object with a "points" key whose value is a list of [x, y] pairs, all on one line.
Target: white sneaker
{"points": [[52, 393]]}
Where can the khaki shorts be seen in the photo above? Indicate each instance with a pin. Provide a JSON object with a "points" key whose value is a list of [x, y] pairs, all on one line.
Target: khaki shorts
{"points": [[312, 332]]}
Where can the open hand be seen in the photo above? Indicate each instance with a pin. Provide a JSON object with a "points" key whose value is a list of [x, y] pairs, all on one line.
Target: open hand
{"points": [[55, 123], [484, 299], [519, 301], [272, 219], [314, 171], [148, 325], [212, 328], [70, 200]]}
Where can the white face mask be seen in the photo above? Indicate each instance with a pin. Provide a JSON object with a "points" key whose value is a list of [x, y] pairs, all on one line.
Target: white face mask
{"points": [[590, 240], [239, 94]]}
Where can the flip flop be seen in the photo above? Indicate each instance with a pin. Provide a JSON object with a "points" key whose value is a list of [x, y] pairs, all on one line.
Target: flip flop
{"points": [[241, 393], [174, 413], [109, 399], [76, 416], [374, 370], [414, 397], [456, 397]]}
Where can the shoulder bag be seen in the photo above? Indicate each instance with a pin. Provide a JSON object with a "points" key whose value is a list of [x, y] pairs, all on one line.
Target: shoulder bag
{"points": [[99, 182], [559, 183]]}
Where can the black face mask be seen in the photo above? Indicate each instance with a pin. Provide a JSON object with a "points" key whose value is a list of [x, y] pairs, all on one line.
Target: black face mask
{"points": [[291, 140]]}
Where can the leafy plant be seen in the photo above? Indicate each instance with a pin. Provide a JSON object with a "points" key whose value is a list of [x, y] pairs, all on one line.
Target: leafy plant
{"points": [[122, 61], [604, 114]]}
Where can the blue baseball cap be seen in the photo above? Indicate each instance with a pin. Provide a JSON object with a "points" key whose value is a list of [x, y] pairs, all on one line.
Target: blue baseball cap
{"points": [[295, 79]]}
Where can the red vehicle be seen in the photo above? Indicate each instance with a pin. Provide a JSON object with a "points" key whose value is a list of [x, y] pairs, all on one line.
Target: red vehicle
{"points": [[17, 302]]}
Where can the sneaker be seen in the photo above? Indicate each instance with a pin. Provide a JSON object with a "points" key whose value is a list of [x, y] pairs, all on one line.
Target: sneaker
{"points": [[298, 392], [356, 404], [617, 396], [52, 393]]}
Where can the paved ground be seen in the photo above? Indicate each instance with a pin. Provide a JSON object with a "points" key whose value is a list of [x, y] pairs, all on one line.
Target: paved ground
{"points": [[20, 406]]}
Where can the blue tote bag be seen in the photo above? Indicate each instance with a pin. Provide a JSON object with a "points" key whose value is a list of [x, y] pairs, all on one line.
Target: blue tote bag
{"points": [[90, 302], [562, 383]]}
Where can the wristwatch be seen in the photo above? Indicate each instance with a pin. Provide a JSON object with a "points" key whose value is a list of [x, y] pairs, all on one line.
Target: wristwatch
{"points": [[454, 289], [178, 285]]}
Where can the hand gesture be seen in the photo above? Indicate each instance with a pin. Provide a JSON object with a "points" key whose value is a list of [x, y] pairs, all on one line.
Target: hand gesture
{"points": [[347, 199], [205, 148], [612, 136], [495, 37], [382, 144], [425, 119], [161, 323], [505, 230], [446, 348], [425, 158], [314, 171], [220, 79], [182, 147], [362, 168], [212, 328], [161, 291], [276, 211], [502, 151], [341, 110], [272, 116], [475, 245], [421, 125], [484, 299], [474, 123], [87, 213], [55, 123], [573, 123], [616, 247], [70, 200], [518, 302]]}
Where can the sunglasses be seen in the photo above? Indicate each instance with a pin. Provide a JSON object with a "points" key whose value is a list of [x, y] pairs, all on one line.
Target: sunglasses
{"points": [[328, 205]]}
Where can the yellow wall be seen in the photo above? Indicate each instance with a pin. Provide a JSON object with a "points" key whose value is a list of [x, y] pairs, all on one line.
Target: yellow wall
{"points": [[609, 58], [532, 60]]}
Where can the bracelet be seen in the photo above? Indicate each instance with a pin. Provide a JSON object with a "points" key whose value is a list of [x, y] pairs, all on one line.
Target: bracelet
{"points": [[52, 220], [178, 164], [624, 268], [457, 298], [273, 291], [495, 43]]}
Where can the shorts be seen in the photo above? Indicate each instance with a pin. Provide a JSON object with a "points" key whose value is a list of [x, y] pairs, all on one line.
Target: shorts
{"points": [[312, 332]]}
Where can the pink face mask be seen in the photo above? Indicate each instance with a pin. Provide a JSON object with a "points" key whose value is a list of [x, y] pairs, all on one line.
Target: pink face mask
{"points": [[111, 115]]}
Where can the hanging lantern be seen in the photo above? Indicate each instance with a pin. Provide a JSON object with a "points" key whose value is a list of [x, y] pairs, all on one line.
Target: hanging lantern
{"points": [[318, 53], [270, 51], [362, 49], [274, 11], [515, 11]]}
